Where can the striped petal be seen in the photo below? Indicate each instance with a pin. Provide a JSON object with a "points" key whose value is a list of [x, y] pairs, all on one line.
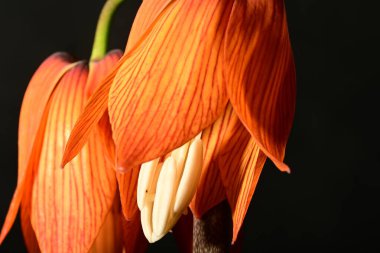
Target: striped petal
{"points": [[109, 238], [209, 195], [128, 187], [32, 124], [133, 238], [99, 69], [172, 85], [260, 73], [96, 106], [240, 162], [98, 102], [70, 205], [147, 13], [234, 162]]}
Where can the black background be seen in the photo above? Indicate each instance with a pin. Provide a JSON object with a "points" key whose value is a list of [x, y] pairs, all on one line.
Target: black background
{"points": [[330, 201]]}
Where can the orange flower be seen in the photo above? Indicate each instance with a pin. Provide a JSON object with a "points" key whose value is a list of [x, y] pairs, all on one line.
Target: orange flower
{"points": [[220, 67], [66, 210], [76, 209]]}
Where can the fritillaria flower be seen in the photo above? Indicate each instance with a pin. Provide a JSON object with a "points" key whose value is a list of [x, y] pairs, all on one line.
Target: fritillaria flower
{"points": [[220, 70], [75, 209]]}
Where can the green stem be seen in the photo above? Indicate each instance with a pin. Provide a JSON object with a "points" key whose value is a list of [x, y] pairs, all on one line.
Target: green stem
{"points": [[99, 48]]}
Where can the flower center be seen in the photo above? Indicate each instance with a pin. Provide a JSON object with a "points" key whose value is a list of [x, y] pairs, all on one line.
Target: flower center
{"points": [[165, 189]]}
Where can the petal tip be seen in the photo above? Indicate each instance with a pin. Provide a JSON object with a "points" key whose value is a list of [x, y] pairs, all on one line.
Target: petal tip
{"points": [[283, 167]]}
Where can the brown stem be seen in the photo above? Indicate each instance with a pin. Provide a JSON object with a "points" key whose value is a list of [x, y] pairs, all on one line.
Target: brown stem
{"points": [[213, 232]]}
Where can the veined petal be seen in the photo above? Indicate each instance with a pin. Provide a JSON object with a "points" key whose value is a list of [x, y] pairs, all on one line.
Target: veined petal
{"points": [[29, 235], [70, 205], [128, 187], [133, 237], [32, 124], [172, 85], [99, 69], [209, 195], [260, 73], [95, 108], [240, 162], [97, 104], [110, 236], [36, 98], [147, 13], [233, 159]]}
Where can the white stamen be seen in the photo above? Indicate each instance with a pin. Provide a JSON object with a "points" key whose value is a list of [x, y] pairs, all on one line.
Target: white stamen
{"points": [[163, 201], [179, 156], [146, 221], [146, 174], [190, 177], [165, 190]]}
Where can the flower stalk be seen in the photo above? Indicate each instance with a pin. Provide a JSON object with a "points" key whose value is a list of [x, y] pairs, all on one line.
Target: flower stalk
{"points": [[99, 48], [213, 232]]}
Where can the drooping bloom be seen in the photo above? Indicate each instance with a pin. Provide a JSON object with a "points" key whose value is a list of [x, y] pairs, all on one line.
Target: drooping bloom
{"points": [[217, 67], [73, 209]]}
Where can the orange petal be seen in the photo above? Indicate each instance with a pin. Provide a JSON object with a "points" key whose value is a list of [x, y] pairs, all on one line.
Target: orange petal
{"points": [[133, 237], [128, 187], [110, 237], [147, 13], [240, 162], [260, 73], [34, 103], [97, 105], [28, 232], [99, 69], [232, 158], [209, 194], [69, 206], [172, 85], [95, 108], [32, 124]]}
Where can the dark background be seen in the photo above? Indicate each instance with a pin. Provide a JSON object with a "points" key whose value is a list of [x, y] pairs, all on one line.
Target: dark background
{"points": [[330, 201]]}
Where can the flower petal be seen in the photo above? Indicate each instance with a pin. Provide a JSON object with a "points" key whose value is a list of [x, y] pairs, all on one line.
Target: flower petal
{"points": [[36, 98], [95, 108], [128, 189], [99, 69], [147, 13], [240, 162], [30, 239], [133, 237], [109, 238], [260, 73], [32, 124], [69, 206], [209, 195], [97, 104], [172, 85]]}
